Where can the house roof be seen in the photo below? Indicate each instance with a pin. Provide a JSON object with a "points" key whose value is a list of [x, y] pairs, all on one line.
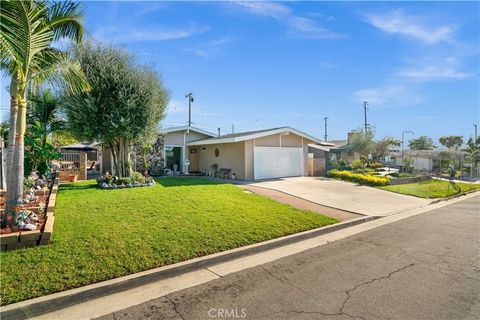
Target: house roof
{"points": [[434, 154], [249, 135], [338, 143], [190, 128], [319, 147]]}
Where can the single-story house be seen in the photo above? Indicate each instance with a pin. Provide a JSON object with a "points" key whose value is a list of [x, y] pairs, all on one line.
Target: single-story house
{"points": [[261, 154], [430, 160]]}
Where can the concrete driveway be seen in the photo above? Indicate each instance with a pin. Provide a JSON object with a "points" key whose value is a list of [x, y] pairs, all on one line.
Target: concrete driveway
{"points": [[344, 195]]}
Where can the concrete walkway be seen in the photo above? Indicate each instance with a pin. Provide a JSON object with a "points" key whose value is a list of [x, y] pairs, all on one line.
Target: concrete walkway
{"points": [[344, 195], [425, 267], [300, 203]]}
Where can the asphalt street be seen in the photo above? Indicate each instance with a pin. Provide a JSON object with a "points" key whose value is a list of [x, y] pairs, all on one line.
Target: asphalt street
{"points": [[423, 267]]}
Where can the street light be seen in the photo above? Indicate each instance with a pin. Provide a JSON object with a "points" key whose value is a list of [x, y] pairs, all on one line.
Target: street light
{"points": [[403, 144]]}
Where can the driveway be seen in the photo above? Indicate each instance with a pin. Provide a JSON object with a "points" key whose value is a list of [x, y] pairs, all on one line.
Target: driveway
{"points": [[344, 195]]}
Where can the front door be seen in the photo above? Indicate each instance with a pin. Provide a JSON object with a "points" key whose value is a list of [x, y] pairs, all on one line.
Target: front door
{"points": [[193, 158], [173, 158]]}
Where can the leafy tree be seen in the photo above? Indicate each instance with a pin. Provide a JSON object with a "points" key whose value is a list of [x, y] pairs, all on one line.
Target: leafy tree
{"points": [[362, 143], [43, 120], [63, 138], [27, 30], [4, 130], [125, 105], [382, 147], [473, 149], [451, 142], [421, 143]]}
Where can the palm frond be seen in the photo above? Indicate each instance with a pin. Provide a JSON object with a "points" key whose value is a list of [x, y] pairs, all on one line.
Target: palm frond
{"points": [[60, 69], [66, 21]]}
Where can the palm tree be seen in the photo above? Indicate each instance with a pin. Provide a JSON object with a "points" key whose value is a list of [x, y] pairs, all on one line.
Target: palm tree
{"points": [[27, 30]]}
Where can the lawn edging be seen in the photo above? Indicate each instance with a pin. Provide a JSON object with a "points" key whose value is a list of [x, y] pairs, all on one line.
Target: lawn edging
{"points": [[45, 304], [25, 239]]}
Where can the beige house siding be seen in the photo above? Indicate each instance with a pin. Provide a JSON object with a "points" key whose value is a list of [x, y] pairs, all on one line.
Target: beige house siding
{"points": [[291, 140], [268, 141], [249, 160], [231, 156], [178, 139]]}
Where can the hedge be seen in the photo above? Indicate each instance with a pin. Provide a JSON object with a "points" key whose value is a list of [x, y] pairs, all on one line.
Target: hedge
{"points": [[359, 178]]}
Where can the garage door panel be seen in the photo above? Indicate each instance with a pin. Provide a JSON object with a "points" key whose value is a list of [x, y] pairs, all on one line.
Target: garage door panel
{"points": [[276, 162]]}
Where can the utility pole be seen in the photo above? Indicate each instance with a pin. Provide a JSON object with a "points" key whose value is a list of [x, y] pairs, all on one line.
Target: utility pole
{"points": [[325, 136], [475, 125], [233, 128], [219, 132], [190, 100], [365, 108]]}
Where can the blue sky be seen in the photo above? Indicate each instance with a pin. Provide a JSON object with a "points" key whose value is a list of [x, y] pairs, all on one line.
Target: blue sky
{"points": [[269, 64]]}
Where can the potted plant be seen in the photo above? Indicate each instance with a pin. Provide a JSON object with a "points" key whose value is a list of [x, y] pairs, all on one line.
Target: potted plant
{"points": [[72, 177]]}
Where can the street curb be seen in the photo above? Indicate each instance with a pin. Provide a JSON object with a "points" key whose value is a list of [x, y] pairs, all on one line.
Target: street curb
{"points": [[42, 305], [455, 196]]}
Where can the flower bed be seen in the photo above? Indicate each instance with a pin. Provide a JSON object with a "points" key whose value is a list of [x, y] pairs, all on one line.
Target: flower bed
{"points": [[109, 181], [359, 178], [13, 237]]}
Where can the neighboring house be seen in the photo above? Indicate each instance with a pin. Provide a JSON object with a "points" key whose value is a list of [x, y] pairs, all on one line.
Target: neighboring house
{"points": [[332, 150], [261, 154], [430, 160]]}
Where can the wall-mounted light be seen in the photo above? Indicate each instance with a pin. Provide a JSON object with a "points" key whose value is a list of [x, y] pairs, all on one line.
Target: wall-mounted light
{"points": [[204, 149]]}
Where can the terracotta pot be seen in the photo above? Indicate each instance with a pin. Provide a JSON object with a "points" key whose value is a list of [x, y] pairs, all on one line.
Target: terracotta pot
{"points": [[72, 177]]}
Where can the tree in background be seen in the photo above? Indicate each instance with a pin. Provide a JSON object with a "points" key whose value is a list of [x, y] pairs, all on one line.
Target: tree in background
{"points": [[43, 120], [362, 143], [124, 106], [63, 138], [4, 130], [27, 30], [421, 143], [451, 142], [382, 147], [473, 149]]}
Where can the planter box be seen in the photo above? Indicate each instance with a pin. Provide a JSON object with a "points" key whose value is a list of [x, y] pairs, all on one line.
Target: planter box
{"points": [[26, 239]]}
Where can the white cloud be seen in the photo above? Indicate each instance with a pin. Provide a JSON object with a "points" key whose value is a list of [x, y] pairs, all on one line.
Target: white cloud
{"points": [[397, 22], [388, 96], [446, 69], [207, 49], [159, 34], [300, 26]]}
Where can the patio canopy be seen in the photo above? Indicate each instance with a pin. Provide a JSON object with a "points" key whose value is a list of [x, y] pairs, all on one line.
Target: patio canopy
{"points": [[81, 146]]}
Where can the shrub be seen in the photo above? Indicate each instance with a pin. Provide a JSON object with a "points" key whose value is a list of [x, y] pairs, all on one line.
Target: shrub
{"points": [[137, 177], [123, 181], [375, 165], [357, 164], [366, 171], [359, 178]]}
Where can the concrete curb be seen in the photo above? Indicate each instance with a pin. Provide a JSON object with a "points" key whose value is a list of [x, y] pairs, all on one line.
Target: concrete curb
{"points": [[455, 196], [38, 306]]}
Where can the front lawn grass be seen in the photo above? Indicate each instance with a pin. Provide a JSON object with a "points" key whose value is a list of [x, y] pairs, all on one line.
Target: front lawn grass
{"points": [[104, 234], [432, 188]]}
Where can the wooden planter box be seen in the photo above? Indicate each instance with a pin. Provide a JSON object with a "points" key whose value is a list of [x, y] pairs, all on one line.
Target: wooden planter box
{"points": [[25, 239]]}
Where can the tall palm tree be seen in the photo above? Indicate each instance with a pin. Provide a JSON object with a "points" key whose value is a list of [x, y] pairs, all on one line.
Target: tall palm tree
{"points": [[27, 30]]}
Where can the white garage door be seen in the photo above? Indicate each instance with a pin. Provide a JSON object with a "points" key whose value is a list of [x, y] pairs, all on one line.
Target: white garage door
{"points": [[275, 162]]}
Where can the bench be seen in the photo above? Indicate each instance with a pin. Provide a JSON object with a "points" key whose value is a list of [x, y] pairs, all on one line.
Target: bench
{"points": [[224, 173]]}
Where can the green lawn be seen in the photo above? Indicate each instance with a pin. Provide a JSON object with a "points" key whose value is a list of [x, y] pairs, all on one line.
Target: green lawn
{"points": [[103, 234], [432, 188]]}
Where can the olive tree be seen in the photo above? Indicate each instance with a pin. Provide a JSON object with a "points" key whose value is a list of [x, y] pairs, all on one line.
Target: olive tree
{"points": [[124, 106]]}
